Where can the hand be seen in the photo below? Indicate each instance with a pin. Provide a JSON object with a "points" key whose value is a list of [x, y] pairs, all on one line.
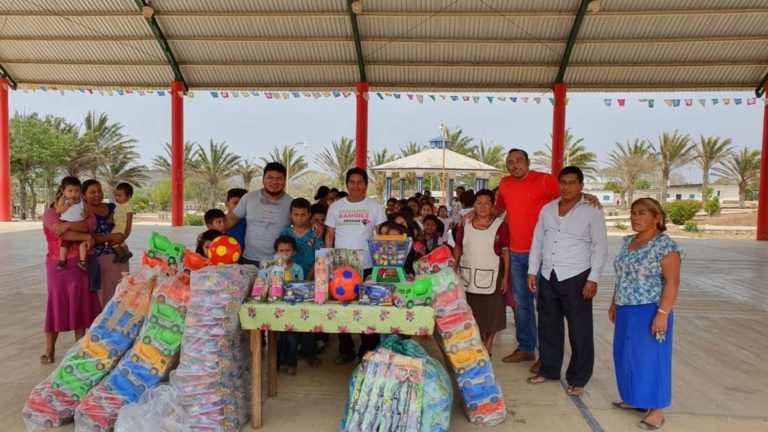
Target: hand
{"points": [[504, 284], [659, 324], [612, 313], [90, 242], [60, 227], [467, 218], [590, 289], [532, 283], [592, 200], [317, 228]]}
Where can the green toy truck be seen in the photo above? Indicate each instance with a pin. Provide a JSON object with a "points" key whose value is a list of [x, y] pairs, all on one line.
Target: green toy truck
{"points": [[418, 292], [160, 245]]}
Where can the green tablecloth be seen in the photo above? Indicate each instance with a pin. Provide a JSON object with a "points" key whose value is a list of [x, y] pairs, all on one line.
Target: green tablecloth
{"points": [[337, 318]]}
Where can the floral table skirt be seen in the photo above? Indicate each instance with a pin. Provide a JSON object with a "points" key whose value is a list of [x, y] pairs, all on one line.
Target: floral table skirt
{"points": [[337, 318]]}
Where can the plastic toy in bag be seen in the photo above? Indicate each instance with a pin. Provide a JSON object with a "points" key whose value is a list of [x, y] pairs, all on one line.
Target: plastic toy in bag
{"points": [[298, 291], [380, 294], [435, 261], [157, 410], [53, 401]]}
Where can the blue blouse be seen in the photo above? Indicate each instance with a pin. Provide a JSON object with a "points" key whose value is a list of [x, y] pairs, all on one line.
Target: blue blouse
{"points": [[102, 227], [639, 279]]}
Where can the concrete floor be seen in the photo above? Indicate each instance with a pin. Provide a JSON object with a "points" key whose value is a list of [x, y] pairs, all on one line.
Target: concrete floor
{"points": [[720, 375]]}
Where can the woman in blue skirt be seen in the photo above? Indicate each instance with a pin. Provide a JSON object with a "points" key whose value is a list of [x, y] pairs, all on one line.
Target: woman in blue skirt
{"points": [[647, 281]]}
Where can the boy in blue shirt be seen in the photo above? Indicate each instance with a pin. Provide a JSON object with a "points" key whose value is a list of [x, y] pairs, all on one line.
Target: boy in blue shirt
{"points": [[307, 242], [237, 231]]}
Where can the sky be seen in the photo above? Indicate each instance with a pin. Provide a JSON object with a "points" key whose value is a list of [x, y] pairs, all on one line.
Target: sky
{"points": [[254, 126]]}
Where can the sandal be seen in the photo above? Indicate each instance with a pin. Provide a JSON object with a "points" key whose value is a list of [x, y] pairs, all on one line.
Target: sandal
{"points": [[536, 379], [574, 391], [644, 425], [46, 359], [624, 406], [82, 265]]}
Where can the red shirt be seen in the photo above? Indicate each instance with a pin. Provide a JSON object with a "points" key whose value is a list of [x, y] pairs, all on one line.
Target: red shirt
{"points": [[523, 200]]}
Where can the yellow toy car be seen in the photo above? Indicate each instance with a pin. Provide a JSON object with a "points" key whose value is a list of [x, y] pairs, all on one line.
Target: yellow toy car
{"points": [[151, 356], [463, 358]]}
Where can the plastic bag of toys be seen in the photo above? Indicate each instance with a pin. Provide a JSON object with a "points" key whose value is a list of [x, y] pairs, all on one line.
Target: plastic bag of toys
{"points": [[157, 410]]}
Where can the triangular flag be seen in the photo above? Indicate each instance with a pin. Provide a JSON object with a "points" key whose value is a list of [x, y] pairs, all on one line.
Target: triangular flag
{"points": [[513, 99], [141, 92], [675, 102], [120, 92], [715, 101], [525, 99], [668, 102], [703, 102], [276, 95], [397, 95], [651, 103], [346, 94], [214, 94], [327, 94], [254, 93], [410, 96], [316, 95], [190, 94], [286, 95], [751, 101], [433, 97], [607, 102], [381, 96], [420, 98], [454, 98], [621, 102], [737, 101], [689, 102], [490, 99], [502, 98], [307, 94], [245, 94], [268, 95], [336, 94], [224, 95], [537, 100], [726, 101], [90, 91], [465, 98], [235, 94], [552, 101], [476, 99], [110, 92]]}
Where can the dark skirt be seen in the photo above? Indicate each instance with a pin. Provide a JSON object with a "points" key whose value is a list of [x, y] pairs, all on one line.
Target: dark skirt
{"points": [[643, 365], [488, 310]]}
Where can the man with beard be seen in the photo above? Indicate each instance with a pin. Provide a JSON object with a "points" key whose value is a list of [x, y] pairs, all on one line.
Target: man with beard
{"points": [[266, 212]]}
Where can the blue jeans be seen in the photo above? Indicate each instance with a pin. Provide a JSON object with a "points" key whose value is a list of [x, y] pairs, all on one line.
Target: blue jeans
{"points": [[525, 314], [288, 347]]}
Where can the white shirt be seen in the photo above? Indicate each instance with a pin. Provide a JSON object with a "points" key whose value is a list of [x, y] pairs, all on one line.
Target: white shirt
{"points": [[354, 224], [570, 244], [74, 213]]}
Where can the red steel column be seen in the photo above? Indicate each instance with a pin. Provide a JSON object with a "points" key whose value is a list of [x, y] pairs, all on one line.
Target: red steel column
{"points": [[762, 203], [361, 135], [558, 129], [5, 154], [177, 154]]}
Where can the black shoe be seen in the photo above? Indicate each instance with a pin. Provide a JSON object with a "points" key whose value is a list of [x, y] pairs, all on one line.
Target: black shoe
{"points": [[127, 257], [344, 358], [61, 264]]}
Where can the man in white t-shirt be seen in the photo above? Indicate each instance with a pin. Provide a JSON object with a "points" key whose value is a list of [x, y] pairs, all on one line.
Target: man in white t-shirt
{"points": [[351, 221]]}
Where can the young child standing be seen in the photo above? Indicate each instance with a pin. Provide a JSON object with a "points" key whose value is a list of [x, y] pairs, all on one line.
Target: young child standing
{"points": [[71, 208], [307, 241], [215, 219], [288, 342], [123, 219], [233, 199]]}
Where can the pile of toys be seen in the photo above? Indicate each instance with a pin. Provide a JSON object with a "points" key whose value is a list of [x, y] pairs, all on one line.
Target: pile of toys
{"points": [[459, 339], [53, 402], [438, 259], [146, 364], [213, 377]]}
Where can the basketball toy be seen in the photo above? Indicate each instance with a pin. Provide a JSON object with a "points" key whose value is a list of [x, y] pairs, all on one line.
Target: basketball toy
{"points": [[224, 250], [345, 284]]}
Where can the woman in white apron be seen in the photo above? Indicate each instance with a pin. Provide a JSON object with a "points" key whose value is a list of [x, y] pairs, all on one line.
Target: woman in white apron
{"points": [[482, 251]]}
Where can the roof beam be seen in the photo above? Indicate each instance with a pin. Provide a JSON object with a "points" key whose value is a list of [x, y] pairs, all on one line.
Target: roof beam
{"points": [[149, 15], [760, 89], [572, 36], [4, 74], [356, 38]]}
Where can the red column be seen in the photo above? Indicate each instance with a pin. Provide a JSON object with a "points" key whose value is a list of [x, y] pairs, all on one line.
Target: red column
{"points": [[177, 154], [361, 135], [5, 154], [558, 129], [762, 203]]}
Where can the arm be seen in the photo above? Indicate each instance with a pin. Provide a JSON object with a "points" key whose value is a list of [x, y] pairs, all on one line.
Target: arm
{"points": [[128, 225], [459, 247], [670, 268], [535, 256], [60, 227], [505, 279], [62, 205], [232, 220], [599, 237], [330, 233]]}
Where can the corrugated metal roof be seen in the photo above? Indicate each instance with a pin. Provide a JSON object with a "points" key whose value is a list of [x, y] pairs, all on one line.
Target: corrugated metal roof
{"points": [[435, 45]]}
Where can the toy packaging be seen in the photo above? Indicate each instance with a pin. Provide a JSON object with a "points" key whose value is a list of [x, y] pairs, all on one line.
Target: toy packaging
{"points": [[146, 364], [389, 254], [53, 401], [459, 338], [327, 261], [379, 294], [435, 261], [259, 290], [277, 275], [417, 292], [157, 410], [298, 291]]}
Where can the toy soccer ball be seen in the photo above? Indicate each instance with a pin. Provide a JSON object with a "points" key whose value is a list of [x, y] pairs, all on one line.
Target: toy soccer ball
{"points": [[224, 250], [345, 284]]}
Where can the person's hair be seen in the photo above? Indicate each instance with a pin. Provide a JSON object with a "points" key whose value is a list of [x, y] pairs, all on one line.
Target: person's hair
{"points": [[437, 221], [654, 207], [209, 235], [125, 187], [417, 195], [87, 184], [275, 166], [525, 153], [426, 192], [360, 171], [285, 239], [392, 201], [322, 192], [485, 192], [236, 193], [442, 207], [213, 214], [571, 169], [423, 204], [414, 199], [300, 203], [411, 227], [467, 199], [334, 190], [392, 225], [406, 211], [342, 194], [70, 181], [460, 187], [402, 202], [318, 209]]}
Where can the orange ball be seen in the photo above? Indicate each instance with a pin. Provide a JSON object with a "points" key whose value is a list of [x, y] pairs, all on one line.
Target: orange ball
{"points": [[345, 284], [224, 250]]}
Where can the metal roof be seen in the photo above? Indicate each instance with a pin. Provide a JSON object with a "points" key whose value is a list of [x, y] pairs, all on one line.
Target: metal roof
{"points": [[415, 45], [431, 160]]}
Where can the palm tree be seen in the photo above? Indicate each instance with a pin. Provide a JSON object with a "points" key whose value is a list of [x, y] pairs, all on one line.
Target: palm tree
{"points": [[459, 143], [119, 170], [576, 154], [410, 149], [742, 168], [379, 178], [295, 165], [675, 150], [248, 170], [163, 162], [710, 152], [215, 166], [337, 160], [629, 163], [103, 142], [491, 154]]}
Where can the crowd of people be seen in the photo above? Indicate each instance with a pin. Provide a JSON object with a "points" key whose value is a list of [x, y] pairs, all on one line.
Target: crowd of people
{"points": [[536, 244]]}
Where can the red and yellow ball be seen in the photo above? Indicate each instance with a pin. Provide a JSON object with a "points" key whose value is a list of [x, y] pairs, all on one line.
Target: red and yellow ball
{"points": [[224, 250]]}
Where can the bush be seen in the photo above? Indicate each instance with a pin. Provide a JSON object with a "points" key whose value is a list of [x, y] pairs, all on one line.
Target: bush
{"points": [[691, 226], [678, 212], [620, 226], [711, 202], [193, 220]]}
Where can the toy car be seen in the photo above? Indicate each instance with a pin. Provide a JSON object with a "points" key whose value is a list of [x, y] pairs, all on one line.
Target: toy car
{"points": [[436, 260], [485, 410], [297, 292], [194, 261], [448, 302], [94, 350], [463, 358], [484, 373], [150, 355], [171, 315], [376, 294], [418, 292], [463, 318], [476, 393], [122, 384], [162, 245], [65, 379], [116, 341], [463, 339], [167, 338]]}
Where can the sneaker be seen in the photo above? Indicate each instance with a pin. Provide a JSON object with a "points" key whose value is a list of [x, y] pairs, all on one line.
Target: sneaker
{"points": [[61, 264], [314, 361], [344, 358], [291, 371], [82, 265]]}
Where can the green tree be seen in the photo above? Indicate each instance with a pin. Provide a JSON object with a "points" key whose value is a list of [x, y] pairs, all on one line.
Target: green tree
{"points": [[338, 159], [120, 170], [410, 149], [460, 143], [709, 152], [248, 170], [64, 135], [629, 163], [163, 162], [490, 154], [675, 150], [215, 166], [743, 168], [161, 195], [379, 178], [295, 164], [102, 142], [576, 154]]}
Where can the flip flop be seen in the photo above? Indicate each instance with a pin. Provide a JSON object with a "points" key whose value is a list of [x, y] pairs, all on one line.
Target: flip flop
{"points": [[46, 359], [536, 379], [644, 425], [622, 405], [574, 391]]}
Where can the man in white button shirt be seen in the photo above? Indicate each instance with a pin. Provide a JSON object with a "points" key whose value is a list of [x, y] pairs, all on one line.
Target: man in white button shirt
{"points": [[569, 248]]}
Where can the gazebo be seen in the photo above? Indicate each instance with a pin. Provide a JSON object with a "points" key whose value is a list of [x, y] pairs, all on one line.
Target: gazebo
{"points": [[437, 159], [381, 45]]}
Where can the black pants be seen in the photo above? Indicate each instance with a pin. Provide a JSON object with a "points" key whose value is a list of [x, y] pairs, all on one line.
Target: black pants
{"points": [[558, 300], [368, 342], [288, 347]]}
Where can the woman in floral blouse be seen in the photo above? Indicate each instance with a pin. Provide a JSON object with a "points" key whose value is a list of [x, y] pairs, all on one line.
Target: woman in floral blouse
{"points": [[647, 281]]}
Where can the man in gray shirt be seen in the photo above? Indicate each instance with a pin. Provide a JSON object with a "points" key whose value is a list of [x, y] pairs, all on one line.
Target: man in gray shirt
{"points": [[266, 211], [569, 247]]}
